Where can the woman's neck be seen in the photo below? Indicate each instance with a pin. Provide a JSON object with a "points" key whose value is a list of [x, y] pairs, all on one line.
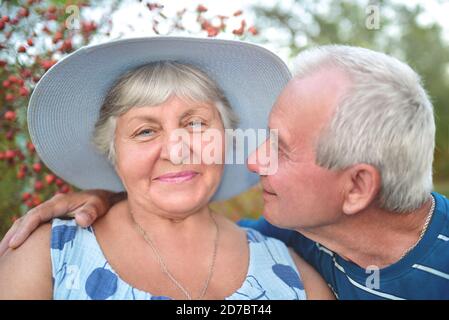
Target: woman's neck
{"points": [[164, 225]]}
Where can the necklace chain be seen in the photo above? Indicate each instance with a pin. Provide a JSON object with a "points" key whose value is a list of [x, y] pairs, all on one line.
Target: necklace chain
{"points": [[163, 265], [424, 229]]}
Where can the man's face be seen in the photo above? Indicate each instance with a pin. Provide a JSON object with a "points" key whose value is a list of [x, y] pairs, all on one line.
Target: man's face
{"points": [[301, 194]]}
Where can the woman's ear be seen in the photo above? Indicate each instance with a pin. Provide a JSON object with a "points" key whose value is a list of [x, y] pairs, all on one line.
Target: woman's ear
{"points": [[363, 185]]}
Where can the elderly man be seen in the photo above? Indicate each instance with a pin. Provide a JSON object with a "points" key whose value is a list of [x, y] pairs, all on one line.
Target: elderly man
{"points": [[352, 192]]}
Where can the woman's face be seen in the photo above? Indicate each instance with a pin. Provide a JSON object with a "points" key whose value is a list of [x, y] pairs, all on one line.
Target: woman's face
{"points": [[149, 161]]}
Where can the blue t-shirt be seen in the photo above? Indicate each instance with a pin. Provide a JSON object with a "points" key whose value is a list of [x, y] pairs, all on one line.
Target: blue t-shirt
{"points": [[422, 274]]}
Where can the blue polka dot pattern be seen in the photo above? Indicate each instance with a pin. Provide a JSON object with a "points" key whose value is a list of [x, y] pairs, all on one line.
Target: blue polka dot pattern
{"points": [[81, 270], [61, 235], [101, 284], [288, 275]]}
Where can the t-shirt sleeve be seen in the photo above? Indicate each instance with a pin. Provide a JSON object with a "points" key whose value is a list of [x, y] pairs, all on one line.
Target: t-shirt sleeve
{"points": [[317, 256]]}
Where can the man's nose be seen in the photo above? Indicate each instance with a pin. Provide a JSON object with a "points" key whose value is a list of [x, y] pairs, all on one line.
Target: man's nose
{"points": [[253, 162]]}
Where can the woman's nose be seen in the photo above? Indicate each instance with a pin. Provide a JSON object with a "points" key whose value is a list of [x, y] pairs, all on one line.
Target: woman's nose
{"points": [[176, 147]]}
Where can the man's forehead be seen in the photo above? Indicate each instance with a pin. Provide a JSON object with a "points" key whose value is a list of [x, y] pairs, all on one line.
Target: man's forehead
{"points": [[306, 104], [286, 104]]}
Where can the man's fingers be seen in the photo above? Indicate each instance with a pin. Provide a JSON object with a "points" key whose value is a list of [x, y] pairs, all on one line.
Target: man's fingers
{"points": [[88, 213], [86, 206], [4, 244], [29, 223], [53, 208]]}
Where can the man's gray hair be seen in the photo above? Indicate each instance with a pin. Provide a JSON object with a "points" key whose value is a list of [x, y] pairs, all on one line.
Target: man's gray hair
{"points": [[385, 119], [151, 85]]}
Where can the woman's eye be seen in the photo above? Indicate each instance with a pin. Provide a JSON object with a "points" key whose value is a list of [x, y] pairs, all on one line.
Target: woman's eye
{"points": [[196, 124], [145, 133]]}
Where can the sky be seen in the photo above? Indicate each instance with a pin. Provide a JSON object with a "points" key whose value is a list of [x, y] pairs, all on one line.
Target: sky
{"points": [[132, 21]]}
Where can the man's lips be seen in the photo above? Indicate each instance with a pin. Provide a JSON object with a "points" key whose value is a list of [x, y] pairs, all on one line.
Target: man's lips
{"points": [[268, 191], [176, 177]]}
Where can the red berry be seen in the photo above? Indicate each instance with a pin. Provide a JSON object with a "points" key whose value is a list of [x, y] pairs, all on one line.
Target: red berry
{"points": [[50, 178], [10, 115], [51, 9], [24, 92], [25, 73], [30, 146], [20, 155], [64, 189], [30, 42], [14, 20], [211, 31], [9, 97], [59, 182], [36, 200], [37, 167], [10, 135], [2, 25], [66, 45], [6, 83], [201, 8], [10, 154], [5, 19], [47, 64], [253, 31], [240, 30], [23, 12], [21, 175], [58, 36], [13, 79], [90, 26], [26, 196], [22, 49], [38, 185]]}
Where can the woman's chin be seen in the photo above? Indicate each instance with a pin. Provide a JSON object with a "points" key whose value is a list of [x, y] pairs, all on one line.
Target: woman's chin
{"points": [[179, 201]]}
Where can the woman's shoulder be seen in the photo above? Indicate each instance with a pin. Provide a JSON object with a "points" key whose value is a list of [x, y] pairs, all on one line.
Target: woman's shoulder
{"points": [[36, 245], [25, 272]]}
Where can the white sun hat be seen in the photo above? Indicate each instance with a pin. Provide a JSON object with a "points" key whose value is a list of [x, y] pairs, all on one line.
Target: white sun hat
{"points": [[65, 103]]}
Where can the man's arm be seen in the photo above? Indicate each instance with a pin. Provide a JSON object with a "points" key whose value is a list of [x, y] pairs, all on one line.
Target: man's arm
{"points": [[85, 207], [315, 286], [267, 229], [25, 273], [318, 257]]}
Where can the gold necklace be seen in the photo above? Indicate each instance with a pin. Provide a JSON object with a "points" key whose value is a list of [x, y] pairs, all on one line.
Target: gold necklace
{"points": [[164, 266], [423, 231]]}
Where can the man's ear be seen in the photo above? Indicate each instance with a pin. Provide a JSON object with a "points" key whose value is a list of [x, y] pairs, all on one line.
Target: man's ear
{"points": [[361, 188]]}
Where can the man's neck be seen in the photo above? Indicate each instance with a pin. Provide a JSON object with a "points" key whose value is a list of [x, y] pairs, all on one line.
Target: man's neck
{"points": [[373, 237]]}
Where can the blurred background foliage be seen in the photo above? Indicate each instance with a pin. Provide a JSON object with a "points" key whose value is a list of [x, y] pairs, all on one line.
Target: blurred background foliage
{"points": [[34, 35]]}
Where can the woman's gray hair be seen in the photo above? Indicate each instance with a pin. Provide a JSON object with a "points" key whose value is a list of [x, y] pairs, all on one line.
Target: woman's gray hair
{"points": [[151, 85], [385, 120]]}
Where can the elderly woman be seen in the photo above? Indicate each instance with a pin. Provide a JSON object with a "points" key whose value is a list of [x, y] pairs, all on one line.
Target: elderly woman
{"points": [[162, 241]]}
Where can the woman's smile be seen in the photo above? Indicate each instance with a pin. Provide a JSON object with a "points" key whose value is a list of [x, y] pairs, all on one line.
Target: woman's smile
{"points": [[177, 177]]}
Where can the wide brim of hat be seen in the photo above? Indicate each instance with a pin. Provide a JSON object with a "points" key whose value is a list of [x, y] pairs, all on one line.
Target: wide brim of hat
{"points": [[65, 103]]}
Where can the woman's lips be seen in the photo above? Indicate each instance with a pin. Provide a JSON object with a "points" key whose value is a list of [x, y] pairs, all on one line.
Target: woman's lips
{"points": [[177, 177]]}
